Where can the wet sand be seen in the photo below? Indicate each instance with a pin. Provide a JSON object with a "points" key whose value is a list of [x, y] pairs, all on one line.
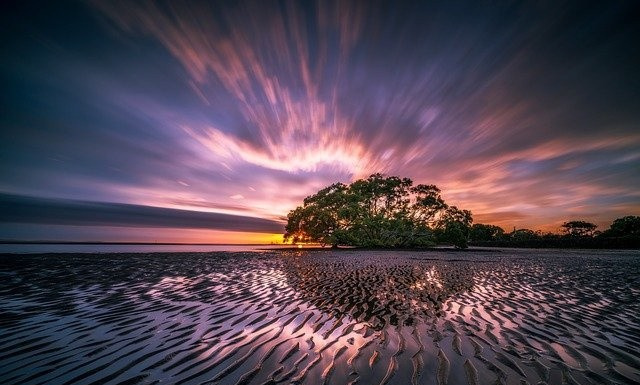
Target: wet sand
{"points": [[321, 317]]}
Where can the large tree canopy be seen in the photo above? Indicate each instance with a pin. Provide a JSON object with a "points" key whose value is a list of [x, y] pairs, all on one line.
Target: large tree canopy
{"points": [[379, 211]]}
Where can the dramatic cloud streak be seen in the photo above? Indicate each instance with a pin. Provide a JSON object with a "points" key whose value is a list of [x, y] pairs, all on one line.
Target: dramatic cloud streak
{"points": [[285, 102], [525, 114], [22, 209]]}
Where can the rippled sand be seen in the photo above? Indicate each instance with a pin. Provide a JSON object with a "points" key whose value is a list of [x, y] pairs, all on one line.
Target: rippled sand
{"points": [[316, 317]]}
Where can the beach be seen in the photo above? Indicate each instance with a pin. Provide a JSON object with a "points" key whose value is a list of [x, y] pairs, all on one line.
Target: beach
{"points": [[321, 317]]}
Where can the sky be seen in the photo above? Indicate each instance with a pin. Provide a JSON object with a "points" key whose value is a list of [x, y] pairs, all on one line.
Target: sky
{"points": [[209, 121]]}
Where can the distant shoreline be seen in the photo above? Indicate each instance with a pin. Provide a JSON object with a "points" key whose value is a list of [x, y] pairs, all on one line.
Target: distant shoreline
{"points": [[129, 243], [489, 246], [350, 248]]}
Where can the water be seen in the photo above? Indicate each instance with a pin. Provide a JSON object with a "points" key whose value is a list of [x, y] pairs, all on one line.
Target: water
{"points": [[124, 248], [322, 317]]}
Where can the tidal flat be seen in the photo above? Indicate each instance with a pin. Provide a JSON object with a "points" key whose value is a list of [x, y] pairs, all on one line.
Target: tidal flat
{"points": [[321, 317]]}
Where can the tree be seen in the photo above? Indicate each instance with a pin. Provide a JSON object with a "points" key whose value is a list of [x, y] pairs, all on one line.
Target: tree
{"points": [[428, 203], [378, 211], [484, 233], [320, 218], [454, 227], [523, 235], [579, 228], [625, 226]]}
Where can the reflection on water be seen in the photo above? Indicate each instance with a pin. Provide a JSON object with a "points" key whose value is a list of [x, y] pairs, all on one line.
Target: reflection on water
{"points": [[377, 292], [304, 317]]}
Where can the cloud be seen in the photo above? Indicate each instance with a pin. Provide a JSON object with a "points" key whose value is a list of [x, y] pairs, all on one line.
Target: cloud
{"points": [[284, 119], [518, 109], [499, 217], [26, 209]]}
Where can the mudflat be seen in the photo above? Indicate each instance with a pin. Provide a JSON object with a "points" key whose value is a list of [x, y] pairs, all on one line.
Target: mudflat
{"points": [[321, 317]]}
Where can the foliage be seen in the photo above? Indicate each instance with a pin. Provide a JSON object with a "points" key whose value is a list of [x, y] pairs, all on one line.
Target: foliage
{"points": [[623, 227], [454, 227], [523, 234], [624, 233], [483, 233], [579, 228], [379, 211]]}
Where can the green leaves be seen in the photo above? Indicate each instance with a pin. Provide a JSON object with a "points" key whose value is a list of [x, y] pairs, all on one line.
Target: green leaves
{"points": [[454, 227], [378, 211]]}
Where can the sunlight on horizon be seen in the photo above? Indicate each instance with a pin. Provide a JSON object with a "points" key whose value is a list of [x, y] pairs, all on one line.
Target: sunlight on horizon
{"points": [[245, 108]]}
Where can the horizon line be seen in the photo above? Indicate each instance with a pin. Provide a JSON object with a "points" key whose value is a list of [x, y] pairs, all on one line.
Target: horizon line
{"points": [[18, 242]]}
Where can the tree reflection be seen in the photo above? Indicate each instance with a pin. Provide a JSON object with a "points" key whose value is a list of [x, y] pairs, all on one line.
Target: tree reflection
{"points": [[378, 293]]}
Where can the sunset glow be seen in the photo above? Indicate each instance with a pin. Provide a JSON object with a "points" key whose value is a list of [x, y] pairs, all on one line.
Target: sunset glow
{"points": [[526, 116]]}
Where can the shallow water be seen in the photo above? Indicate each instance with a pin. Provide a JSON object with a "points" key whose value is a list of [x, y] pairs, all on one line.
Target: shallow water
{"points": [[314, 317], [39, 248]]}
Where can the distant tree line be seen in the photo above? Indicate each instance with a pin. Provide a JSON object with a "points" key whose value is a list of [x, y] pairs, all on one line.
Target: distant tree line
{"points": [[379, 211], [623, 233]]}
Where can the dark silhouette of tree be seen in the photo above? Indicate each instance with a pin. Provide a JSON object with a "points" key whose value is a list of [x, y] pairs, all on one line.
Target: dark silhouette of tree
{"points": [[624, 227], [379, 211], [624, 233], [523, 235], [484, 233], [579, 228]]}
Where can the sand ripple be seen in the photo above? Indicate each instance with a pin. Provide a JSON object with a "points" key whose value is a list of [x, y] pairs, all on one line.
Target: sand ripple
{"points": [[350, 317]]}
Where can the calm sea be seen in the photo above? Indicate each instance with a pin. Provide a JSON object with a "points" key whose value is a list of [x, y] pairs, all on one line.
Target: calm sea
{"points": [[121, 248]]}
